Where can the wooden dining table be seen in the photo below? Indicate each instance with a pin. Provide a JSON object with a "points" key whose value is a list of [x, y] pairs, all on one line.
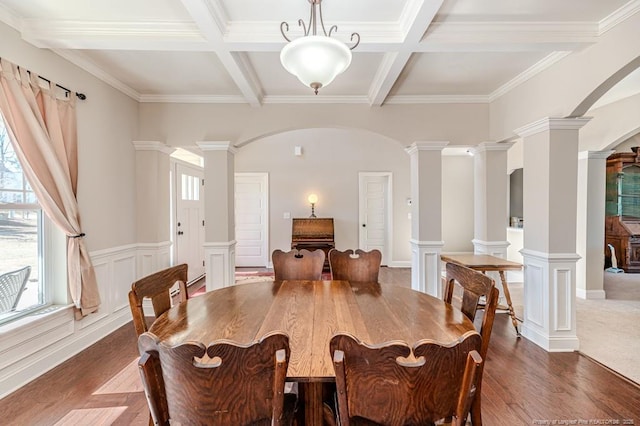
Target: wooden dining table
{"points": [[311, 312]]}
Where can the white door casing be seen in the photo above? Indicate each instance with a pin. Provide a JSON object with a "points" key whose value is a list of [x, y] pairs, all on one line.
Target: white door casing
{"points": [[189, 218], [375, 212], [252, 219]]}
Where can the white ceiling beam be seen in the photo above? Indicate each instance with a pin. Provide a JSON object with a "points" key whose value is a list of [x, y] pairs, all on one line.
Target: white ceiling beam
{"points": [[208, 16], [261, 36], [113, 35], [418, 17]]}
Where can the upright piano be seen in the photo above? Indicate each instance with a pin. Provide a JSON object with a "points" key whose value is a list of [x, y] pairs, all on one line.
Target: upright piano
{"points": [[313, 234]]}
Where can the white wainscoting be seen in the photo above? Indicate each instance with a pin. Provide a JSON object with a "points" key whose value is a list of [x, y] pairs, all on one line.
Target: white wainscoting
{"points": [[34, 344]]}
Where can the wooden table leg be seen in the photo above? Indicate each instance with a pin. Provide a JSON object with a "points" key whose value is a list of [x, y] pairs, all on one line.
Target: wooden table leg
{"points": [[507, 296], [313, 415]]}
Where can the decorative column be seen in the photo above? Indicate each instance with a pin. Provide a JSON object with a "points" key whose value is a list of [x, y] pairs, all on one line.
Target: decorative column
{"points": [[426, 216], [592, 168], [549, 206], [153, 201], [219, 212], [490, 203], [491, 212]]}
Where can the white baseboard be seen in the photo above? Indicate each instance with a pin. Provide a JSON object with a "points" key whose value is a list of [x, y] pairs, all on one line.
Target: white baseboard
{"points": [[590, 294], [36, 364]]}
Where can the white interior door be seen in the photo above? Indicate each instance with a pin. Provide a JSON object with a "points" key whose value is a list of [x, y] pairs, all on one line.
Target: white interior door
{"points": [[252, 219], [189, 218], [375, 215]]}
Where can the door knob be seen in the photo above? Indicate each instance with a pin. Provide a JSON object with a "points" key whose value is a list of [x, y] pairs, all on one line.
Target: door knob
{"points": [[180, 232], [364, 225]]}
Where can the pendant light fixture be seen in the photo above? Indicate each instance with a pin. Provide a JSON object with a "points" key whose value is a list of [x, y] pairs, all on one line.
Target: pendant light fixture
{"points": [[316, 59]]}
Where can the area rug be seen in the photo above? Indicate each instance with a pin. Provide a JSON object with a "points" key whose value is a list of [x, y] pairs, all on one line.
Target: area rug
{"points": [[247, 277]]}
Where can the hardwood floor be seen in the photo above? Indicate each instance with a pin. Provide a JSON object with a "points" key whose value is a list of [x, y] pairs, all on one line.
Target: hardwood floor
{"points": [[523, 385]]}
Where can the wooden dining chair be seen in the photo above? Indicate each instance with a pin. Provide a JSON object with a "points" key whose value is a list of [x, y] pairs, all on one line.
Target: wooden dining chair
{"points": [[157, 287], [395, 384], [465, 289], [297, 264], [225, 383], [361, 266]]}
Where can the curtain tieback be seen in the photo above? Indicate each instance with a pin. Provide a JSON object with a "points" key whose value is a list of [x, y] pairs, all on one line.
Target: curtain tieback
{"points": [[77, 236]]}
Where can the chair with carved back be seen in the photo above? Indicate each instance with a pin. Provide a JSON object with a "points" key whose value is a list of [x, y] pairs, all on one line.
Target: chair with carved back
{"points": [[225, 383], [466, 288], [12, 284], [394, 384], [157, 287], [297, 264], [361, 266]]}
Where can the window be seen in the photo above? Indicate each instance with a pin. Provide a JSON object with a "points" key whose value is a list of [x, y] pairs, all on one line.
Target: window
{"points": [[21, 234], [190, 188]]}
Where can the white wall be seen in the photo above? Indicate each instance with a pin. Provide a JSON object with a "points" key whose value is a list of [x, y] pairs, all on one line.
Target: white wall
{"points": [[186, 124], [328, 167], [457, 203]]}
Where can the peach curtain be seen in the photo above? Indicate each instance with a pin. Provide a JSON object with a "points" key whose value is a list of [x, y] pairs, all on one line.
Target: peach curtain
{"points": [[43, 131]]}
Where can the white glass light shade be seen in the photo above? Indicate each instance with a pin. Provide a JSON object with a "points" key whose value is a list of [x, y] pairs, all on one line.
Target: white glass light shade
{"points": [[315, 60], [313, 198]]}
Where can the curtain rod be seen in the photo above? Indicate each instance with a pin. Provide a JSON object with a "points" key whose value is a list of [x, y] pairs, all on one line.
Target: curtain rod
{"points": [[80, 96]]}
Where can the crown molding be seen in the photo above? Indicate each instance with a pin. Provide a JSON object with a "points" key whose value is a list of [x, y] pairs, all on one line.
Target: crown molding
{"points": [[530, 72], [80, 61], [492, 146], [426, 146], [193, 99], [437, 99], [217, 146], [153, 146], [549, 123], [618, 16]]}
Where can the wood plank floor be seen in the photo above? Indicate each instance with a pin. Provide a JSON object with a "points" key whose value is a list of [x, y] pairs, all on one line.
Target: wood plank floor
{"points": [[523, 385]]}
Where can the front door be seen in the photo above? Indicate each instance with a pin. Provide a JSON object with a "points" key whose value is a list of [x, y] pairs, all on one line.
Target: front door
{"points": [[375, 196], [189, 218]]}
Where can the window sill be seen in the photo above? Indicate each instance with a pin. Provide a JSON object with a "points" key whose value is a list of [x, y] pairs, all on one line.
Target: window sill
{"points": [[34, 318]]}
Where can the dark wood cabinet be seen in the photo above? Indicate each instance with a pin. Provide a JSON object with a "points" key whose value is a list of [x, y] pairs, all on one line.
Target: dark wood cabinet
{"points": [[622, 221]]}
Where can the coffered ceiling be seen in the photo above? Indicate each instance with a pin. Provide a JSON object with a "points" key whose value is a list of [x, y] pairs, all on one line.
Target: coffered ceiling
{"points": [[227, 51]]}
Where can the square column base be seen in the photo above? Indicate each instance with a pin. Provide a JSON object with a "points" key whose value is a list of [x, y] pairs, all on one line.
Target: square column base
{"points": [[220, 264], [549, 300], [425, 267]]}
